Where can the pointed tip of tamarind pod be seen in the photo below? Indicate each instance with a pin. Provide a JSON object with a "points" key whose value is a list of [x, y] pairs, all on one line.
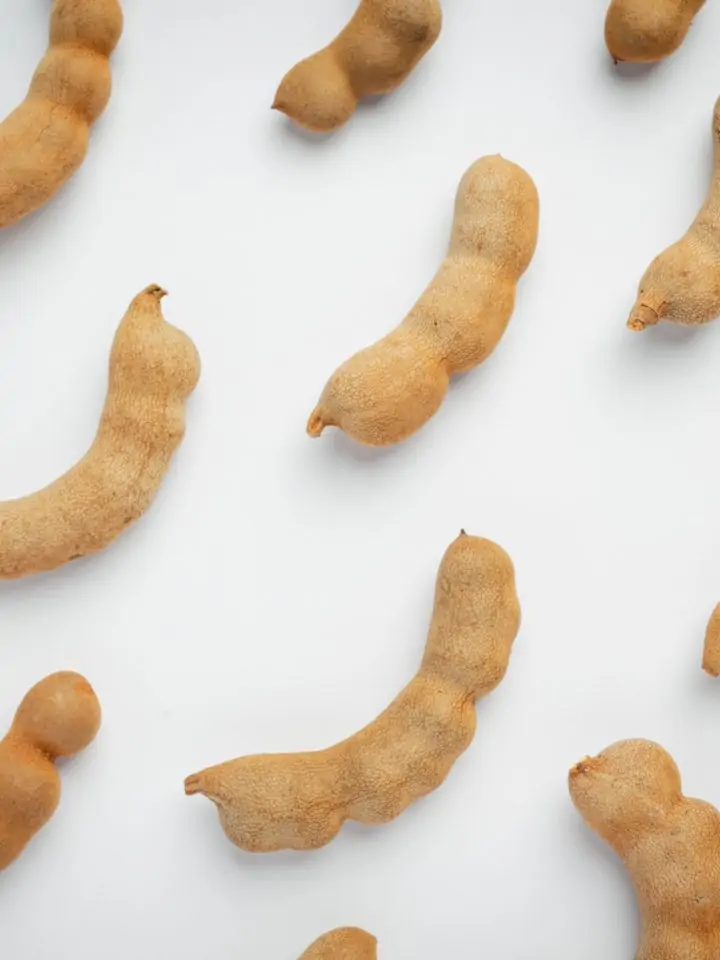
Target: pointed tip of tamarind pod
{"points": [[315, 424], [711, 668], [279, 104], [642, 316], [155, 291], [193, 784], [581, 767]]}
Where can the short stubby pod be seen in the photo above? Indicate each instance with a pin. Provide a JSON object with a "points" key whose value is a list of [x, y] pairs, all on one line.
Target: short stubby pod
{"points": [[682, 284], [45, 139], [374, 54], [300, 801], [154, 367], [387, 391], [645, 31], [631, 796], [343, 943], [58, 717]]}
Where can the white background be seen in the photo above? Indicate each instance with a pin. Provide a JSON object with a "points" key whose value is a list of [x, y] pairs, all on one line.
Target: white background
{"points": [[277, 595]]}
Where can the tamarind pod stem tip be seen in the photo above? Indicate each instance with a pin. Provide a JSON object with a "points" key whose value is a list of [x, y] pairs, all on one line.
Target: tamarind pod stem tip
{"points": [[315, 424], [581, 767], [193, 784], [155, 291], [642, 316]]}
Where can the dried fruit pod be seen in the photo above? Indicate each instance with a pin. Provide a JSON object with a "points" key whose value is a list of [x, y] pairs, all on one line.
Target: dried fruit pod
{"points": [[57, 718], [344, 943], [630, 795], [682, 284], [711, 652], [154, 367], [374, 54], [300, 801], [45, 139], [645, 31], [386, 392]]}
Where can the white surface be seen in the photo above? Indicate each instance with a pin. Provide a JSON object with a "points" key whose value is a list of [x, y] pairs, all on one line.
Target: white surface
{"points": [[277, 595]]}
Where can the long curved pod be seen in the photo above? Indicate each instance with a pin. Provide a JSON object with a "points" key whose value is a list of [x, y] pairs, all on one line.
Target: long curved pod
{"points": [[386, 392], [154, 367], [45, 139], [300, 801]]}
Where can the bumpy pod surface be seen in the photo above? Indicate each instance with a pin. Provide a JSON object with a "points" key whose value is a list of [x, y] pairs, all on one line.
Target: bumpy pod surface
{"points": [[374, 54], [300, 801], [630, 795], [154, 367], [645, 31], [58, 717], [344, 943], [386, 392], [45, 139], [682, 284]]}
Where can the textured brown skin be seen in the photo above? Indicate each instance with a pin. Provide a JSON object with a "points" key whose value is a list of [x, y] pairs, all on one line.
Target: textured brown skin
{"points": [[344, 943], [58, 717], [154, 368], [645, 31], [682, 284], [630, 795], [45, 139], [387, 391], [374, 54], [711, 652], [300, 801]]}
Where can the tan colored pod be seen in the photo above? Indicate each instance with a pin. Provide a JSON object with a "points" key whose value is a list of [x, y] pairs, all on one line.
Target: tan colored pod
{"points": [[630, 795], [387, 391], [682, 284], [300, 801], [58, 717], [45, 139], [154, 367], [344, 943], [645, 31], [374, 54], [711, 652]]}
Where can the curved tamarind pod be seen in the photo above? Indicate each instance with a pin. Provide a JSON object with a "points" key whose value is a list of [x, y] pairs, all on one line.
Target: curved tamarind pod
{"points": [[711, 651], [374, 54], [300, 801], [344, 943], [387, 391], [154, 367], [45, 139], [631, 796], [682, 284], [645, 31], [58, 717]]}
